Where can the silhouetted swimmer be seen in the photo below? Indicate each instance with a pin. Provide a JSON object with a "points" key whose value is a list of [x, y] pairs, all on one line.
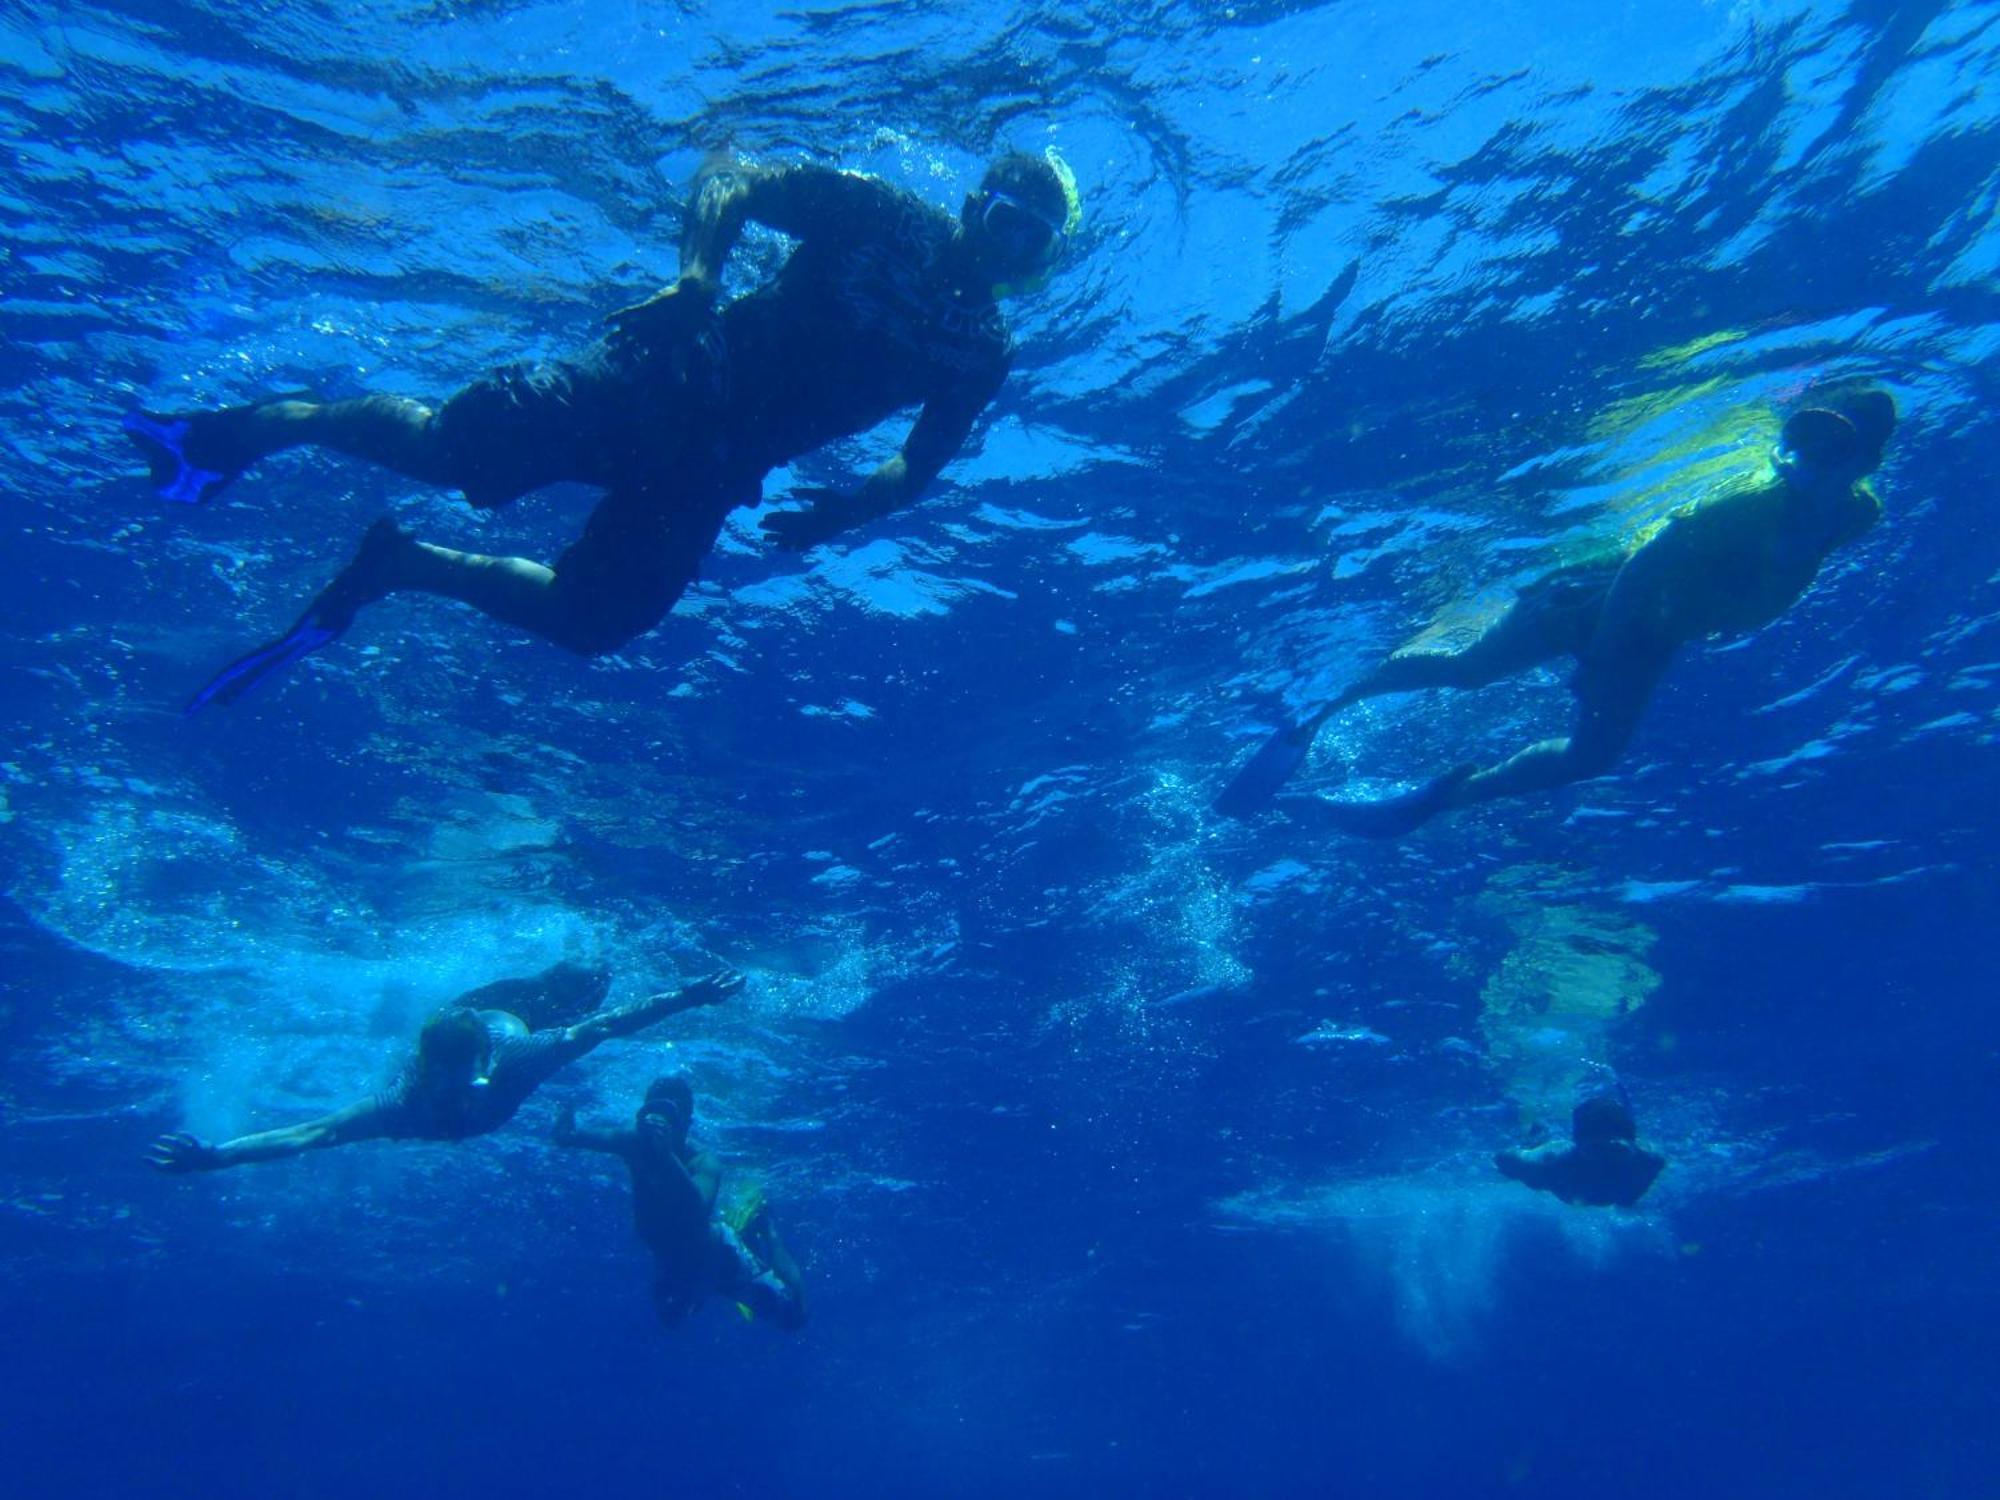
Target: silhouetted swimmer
{"points": [[1722, 566], [886, 302], [674, 1190], [1602, 1165], [476, 1063]]}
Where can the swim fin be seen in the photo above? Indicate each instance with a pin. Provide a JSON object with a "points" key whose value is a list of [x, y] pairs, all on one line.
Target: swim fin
{"points": [[163, 442], [326, 619], [1252, 789], [1391, 817], [241, 675]]}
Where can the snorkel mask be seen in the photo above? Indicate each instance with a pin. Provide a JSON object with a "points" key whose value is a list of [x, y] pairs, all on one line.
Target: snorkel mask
{"points": [[1012, 223]]}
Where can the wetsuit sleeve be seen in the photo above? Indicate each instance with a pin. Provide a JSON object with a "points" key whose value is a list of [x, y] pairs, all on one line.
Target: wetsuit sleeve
{"points": [[805, 202], [942, 427], [946, 422], [809, 202]]}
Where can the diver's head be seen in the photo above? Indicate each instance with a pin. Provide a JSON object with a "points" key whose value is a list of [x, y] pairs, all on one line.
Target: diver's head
{"points": [[451, 1049], [1873, 413], [668, 1107], [1839, 441], [1602, 1117], [1021, 219]]}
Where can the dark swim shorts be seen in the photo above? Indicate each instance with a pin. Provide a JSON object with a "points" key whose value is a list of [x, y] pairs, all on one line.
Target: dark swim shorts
{"points": [[647, 423], [621, 414]]}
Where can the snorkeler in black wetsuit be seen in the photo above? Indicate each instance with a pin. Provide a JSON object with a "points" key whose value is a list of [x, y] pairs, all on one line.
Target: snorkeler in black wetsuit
{"points": [[477, 1062], [1602, 1165], [674, 1191], [680, 411]]}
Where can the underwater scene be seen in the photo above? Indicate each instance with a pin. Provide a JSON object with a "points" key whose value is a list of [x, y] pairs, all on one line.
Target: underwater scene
{"points": [[1186, 749]]}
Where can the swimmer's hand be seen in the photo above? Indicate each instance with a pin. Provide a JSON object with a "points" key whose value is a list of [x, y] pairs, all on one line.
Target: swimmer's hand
{"points": [[829, 513], [181, 1152], [671, 315], [711, 989]]}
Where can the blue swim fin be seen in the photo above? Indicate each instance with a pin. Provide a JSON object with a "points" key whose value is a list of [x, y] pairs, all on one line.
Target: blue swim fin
{"points": [[163, 441], [326, 619], [1265, 773], [241, 675]]}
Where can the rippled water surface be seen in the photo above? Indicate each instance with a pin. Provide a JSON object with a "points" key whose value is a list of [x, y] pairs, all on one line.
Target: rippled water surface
{"points": [[1127, 1150]]}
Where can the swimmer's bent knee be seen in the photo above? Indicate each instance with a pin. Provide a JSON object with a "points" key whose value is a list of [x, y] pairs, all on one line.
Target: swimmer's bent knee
{"points": [[595, 621], [587, 637]]}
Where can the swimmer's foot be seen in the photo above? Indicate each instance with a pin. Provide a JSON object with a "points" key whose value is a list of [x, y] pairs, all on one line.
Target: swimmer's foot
{"points": [[1389, 818], [193, 458], [364, 580]]}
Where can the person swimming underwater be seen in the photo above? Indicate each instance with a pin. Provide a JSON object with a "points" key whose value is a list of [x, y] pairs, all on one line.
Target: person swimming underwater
{"points": [[476, 1063], [1602, 1165], [1727, 565], [682, 409], [675, 1186]]}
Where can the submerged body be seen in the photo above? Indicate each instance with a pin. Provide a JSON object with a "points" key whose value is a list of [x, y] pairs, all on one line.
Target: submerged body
{"points": [[475, 1065], [674, 1192], [1726, 566], [1602, 1165], [681, 410]]}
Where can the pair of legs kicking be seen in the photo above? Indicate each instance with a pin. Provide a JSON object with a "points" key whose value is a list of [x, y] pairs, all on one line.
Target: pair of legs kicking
{"points": [[647, 424], [1555, 616]]}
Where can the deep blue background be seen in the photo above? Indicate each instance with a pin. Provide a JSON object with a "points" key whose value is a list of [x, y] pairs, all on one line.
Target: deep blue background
{"points": [[1375, 308]]}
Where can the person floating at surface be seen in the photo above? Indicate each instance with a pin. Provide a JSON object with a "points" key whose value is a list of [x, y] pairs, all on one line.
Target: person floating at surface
{"points": [[674, 1191], [1731, 564], [476, 1063], [682, 408], [1602, 1165]]}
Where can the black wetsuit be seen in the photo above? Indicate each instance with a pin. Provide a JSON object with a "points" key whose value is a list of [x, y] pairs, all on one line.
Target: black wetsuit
{"points": [[870, 314]]}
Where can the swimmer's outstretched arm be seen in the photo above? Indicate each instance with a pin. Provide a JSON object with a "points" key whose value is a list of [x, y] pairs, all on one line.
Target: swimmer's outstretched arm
{"points": [[592, 1031], [619, 1143], [1535, 1167], [181, 1152]]}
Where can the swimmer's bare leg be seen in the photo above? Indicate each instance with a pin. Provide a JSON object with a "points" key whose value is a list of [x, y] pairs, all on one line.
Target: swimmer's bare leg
{"points": [[1610, 703], [1611, 700], [1519, 639], [196, 455], [1516, 641]]}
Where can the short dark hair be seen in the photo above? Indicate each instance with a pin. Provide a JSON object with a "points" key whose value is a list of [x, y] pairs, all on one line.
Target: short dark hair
{"points": [[1032, 180]]}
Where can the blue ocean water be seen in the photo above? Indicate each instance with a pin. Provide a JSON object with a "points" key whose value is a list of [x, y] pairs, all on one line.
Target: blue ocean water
{"points": [[1127, 1150]]}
